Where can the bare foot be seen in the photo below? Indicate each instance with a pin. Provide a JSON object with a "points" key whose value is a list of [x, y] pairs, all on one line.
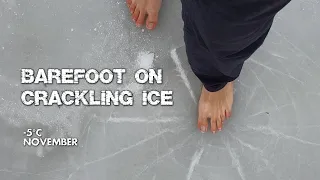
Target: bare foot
{"points": [[215, 106], [140, 8]]}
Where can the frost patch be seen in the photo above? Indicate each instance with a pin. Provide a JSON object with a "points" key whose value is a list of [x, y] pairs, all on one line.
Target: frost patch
{"points": [[145, 60]]}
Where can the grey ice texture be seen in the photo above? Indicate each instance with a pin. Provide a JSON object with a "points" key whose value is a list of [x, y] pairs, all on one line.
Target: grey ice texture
{"points": [[273, 134]]}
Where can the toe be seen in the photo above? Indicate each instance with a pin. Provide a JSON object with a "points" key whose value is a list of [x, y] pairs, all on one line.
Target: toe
{"points": [[141, 18], [152, 20], [135, 15], [132, 8], [229, 110], [202, 124], [223, 115], [129, 2], [219, 123], [214, 125], [228, 113]]}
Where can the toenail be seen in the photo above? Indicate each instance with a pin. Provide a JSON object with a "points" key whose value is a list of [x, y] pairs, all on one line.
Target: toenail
{"points": [[150, 26], [203, 129], [213, 132], [139, 25]]}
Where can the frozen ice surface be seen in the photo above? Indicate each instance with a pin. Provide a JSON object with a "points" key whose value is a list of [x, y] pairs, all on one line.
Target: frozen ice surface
{"points": [[273, 134]]}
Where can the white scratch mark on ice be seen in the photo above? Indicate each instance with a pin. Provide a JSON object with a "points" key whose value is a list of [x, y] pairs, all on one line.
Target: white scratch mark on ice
{"points": [[86, 128], [264, 87], [158, 147], [292, 101], [277, 71], [256, 114], [298, 66], [127, 148], [250, 98], [269, 130], [141, 120], [56, 170], [28, 173], [171, 150], [104, 41], [277, 55], [215, 146], [183, 75], [285, 105], [243, 84], [195, 160], [88, 133], [174, 159], [297, 48], [260, 151], [214, 167], [235, 160], [71, 175]]}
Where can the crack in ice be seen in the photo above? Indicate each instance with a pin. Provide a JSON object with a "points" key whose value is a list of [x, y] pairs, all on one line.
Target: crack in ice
{"points": [[194, 161], [34, 174], [274, 70], [250, 98], [260, 151], [127, 148], [183, 75], [264, 87], [293, 45], [171, 150], [71, 175], [270, 131], [235, 160], [277, 55], [141, 120]]}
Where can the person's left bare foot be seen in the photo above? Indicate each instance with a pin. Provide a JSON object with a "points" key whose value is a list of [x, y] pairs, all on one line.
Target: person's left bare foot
{"points": [[139, 9]]}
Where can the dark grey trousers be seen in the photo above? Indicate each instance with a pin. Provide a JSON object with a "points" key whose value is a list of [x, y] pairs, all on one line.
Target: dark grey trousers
{"points": [[221, 34]]}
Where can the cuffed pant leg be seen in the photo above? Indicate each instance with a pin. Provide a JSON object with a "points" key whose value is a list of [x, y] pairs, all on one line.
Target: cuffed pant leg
{"points": [[213, 69]]}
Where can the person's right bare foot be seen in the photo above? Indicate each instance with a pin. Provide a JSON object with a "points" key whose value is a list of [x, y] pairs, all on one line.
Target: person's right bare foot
{"points": [[215, 106], [140, 8]]}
